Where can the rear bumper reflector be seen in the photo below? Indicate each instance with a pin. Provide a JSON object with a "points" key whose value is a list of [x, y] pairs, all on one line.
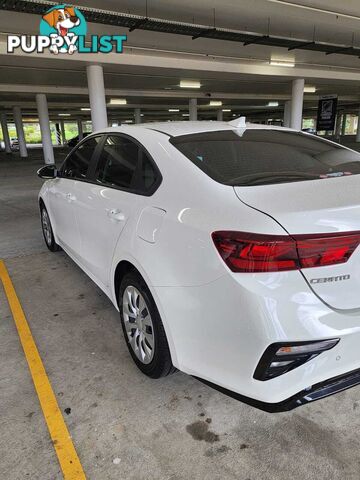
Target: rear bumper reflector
{"points": [[280, 358]]}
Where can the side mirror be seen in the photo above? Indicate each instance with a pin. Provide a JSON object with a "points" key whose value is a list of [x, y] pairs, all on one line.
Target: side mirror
{"points": [[47, 172]]}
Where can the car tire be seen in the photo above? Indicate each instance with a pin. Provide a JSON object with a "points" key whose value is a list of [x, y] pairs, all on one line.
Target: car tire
{"points": [[143, 329], [48, 231]]}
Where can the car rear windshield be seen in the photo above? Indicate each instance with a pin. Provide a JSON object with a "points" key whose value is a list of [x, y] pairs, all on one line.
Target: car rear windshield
{"points": [[262, 157]]}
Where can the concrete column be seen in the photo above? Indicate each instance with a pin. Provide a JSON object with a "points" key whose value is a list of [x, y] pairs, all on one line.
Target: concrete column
{"points": [[20, 131], [219, 115], [287, 114], [5, 132], [44, 121], [137, 115], [358, 128], [80, 129], [343, 124], [95, 78], [297, 103], [63, 136], [193, 109]]}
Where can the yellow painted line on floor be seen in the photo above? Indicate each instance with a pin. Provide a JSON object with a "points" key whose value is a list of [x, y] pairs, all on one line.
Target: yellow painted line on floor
{"points": [[64, 447]]}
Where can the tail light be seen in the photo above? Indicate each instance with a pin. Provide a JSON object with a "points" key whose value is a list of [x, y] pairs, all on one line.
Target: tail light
{"points": [[280, 358], [250, 252]]}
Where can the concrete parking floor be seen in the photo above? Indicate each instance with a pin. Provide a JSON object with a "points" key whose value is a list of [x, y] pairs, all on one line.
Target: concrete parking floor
{"points": [[156, 429]]}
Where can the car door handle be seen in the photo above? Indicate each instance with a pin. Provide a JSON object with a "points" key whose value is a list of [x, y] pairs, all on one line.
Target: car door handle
{"points": [[70, 197], [116, 214]]}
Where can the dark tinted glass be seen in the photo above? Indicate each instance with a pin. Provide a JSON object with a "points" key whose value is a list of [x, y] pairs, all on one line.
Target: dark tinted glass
{"points": [[148, 174], [77, 164], [118, 162], [259, 157]]}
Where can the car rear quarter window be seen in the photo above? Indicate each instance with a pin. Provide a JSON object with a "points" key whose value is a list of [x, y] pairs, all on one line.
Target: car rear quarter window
{"points": [[260, 157], [148, 176]]}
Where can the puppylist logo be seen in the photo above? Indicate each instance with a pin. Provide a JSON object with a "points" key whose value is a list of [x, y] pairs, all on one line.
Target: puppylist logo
{"points": [[63, 30]]}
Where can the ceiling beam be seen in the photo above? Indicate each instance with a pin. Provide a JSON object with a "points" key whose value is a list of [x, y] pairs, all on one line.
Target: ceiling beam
{"points": [[176, 64], [65, 90], [166, 94]]}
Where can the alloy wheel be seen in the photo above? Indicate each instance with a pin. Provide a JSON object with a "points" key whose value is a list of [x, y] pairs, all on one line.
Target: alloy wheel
{"points": [[46, 226], [138, 324]]}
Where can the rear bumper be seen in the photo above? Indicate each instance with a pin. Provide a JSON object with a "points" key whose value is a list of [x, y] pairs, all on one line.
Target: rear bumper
{"points": [[311, 394], [221, 330]]}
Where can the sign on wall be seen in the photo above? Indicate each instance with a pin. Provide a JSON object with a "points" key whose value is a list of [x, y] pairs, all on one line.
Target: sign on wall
{"points": [[326, 112]]}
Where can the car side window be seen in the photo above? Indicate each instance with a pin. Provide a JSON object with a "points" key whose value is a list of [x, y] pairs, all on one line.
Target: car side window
{"points": [[118, 162], [77, 163]]}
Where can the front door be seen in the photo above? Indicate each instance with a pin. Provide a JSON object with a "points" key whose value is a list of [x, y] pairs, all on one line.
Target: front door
{"points": [[64, 194]]}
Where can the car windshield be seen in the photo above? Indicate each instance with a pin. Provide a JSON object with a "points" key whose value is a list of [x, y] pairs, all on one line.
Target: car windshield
{"points": [[262, 157]]}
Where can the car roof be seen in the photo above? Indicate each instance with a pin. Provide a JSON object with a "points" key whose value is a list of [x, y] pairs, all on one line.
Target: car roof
{"points": [[175, 129]]}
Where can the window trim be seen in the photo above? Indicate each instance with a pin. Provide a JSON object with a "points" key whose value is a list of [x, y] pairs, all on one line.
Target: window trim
{"points": [[145, 193]]}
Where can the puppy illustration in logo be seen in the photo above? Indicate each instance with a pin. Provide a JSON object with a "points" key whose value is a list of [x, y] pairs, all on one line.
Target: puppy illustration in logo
{"points": [[62, 20]]}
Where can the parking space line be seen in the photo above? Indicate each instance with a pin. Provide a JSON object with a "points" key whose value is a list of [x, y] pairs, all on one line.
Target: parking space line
{"points": [[61, 439]]}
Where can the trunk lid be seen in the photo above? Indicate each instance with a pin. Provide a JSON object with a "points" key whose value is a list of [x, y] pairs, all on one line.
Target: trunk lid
{"points": [[317, 206]]}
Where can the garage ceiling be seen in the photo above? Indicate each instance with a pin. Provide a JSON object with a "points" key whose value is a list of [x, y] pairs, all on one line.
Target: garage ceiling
{"points": [[214, 30], [333, 22]]}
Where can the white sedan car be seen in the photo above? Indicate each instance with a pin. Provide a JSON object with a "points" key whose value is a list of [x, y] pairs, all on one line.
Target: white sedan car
{"points": [[229, 249]]}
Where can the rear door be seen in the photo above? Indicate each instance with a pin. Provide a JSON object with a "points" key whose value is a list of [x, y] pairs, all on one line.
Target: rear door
{"points": [[123, 175], [64, 196]]}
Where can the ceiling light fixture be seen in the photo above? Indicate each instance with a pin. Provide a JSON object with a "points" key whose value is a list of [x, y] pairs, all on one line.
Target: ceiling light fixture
{"points": [[189, 84], [64, 114], [273, 104], [118, 101], [174, 110], [309, 89], [185, 115], [282, 63], [215, 103], [226, 109], [85, 109]]}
